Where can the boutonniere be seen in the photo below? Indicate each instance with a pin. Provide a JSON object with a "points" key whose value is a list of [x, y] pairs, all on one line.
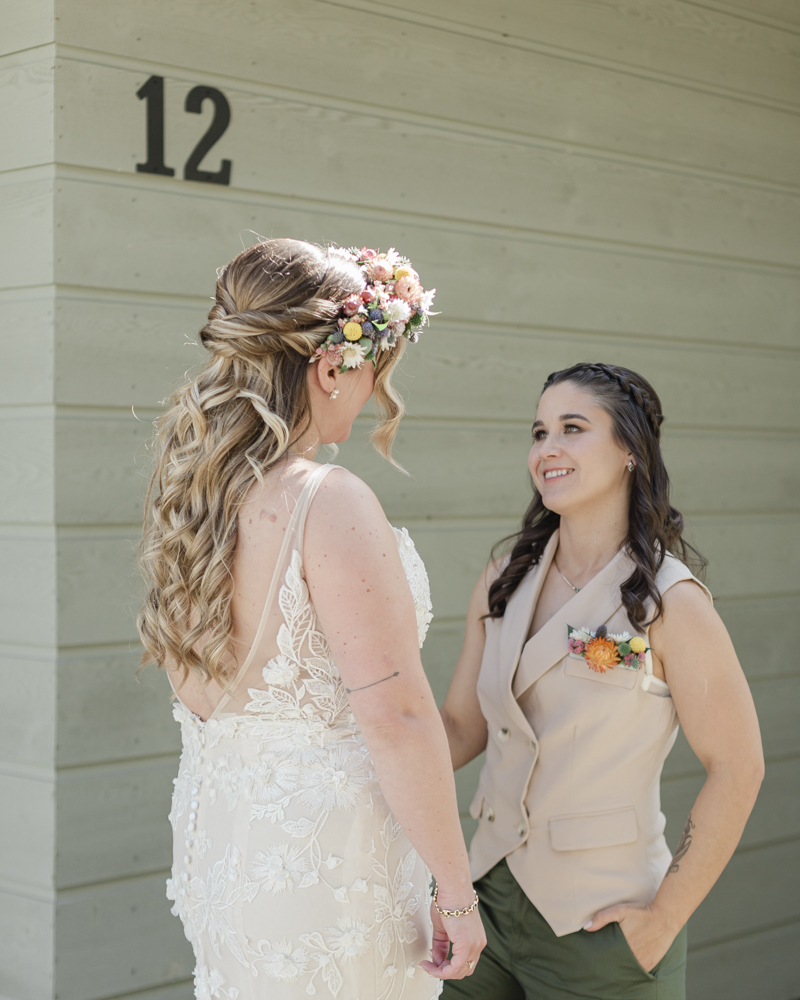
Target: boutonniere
{"points": [[603, 650]]}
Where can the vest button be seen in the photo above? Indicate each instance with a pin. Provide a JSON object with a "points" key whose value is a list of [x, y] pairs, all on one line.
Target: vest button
{"points": [[503, 735], [490, 815], [522, 829], [532, 746]]}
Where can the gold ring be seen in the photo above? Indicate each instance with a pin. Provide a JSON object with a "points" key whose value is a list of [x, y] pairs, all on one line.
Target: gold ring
{"points": [[469, 964]]}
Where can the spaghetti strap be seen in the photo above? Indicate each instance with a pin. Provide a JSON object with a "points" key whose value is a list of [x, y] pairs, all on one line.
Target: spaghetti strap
{"points": [[292, 541]]}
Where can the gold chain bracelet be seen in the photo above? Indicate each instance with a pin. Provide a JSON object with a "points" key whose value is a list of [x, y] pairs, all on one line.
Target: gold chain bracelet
{"points": [[453, 913]]}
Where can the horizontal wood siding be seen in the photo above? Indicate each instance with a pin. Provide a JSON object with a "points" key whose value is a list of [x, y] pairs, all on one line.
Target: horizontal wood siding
{"points": [[579, 181]]}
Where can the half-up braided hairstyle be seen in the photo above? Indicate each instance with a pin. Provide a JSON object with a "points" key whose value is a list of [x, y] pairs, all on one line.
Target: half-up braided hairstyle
{"points": [[654, 526], [275, 304]]}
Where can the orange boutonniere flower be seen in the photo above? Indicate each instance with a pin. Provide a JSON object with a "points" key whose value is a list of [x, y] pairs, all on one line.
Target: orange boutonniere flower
{"points": [[603, 650], [601, 654]]}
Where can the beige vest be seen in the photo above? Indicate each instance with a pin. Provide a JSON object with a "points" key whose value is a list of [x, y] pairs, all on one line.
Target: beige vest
{"points": [[569, 793]]}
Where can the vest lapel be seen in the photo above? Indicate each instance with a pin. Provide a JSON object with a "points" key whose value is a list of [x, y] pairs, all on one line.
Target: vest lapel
{"points": [[590, 608], [518, 614]]}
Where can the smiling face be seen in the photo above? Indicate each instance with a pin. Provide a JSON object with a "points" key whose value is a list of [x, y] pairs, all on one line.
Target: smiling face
{"points": [[576, 461]]}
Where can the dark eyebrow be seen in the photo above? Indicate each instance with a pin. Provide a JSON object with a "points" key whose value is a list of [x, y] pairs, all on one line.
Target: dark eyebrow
{"points": [[564, 416]]}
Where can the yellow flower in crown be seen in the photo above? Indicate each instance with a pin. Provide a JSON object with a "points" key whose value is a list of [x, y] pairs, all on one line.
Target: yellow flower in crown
{"points": [[352, 331], [637, 644]]}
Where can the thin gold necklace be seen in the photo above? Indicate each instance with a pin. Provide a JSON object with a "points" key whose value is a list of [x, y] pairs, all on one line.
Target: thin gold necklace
{"points": [[570, 585]]}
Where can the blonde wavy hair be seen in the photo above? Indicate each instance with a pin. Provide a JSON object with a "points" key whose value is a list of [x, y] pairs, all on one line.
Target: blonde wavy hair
{"points": [[275, 304]]}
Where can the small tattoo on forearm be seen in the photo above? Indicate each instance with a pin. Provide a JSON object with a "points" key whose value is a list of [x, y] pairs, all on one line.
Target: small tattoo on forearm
{"points": [[372, 685], [683, 846]]}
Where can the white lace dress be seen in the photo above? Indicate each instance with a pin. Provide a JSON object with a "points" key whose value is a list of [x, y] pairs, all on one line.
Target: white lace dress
{"points": [[291, 876]]}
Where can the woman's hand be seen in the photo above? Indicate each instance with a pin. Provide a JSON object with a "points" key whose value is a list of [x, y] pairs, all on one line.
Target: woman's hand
{"points": [[468, 939], [647, 932]]}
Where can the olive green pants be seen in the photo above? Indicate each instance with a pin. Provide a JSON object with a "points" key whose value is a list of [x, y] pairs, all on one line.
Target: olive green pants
{"points": [[524, 960]]}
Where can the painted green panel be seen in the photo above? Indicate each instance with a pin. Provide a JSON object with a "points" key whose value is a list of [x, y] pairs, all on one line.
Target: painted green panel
{"points": [[177, 991], [27, 830], [112, 820], [765, 965], [26, 465], [27, 96], [106, 711], [26, 342], [759, 889], [440, 655], [26, 23], [456, 372], [576, 195], [27, 586], [26, 947], [445, 74], [99, 588], [776, 703], [26, 207], [765, 632], [118, 938], [176, 243], [27, 708], [110, 451], [706, 45], [776, 815], [781, 10]]}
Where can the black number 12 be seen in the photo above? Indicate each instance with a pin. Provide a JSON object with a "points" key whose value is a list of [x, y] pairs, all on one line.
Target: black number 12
{"points": [[153, 92]]}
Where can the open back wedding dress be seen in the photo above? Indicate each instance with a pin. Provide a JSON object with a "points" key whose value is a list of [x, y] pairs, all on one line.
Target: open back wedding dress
{"points": [[291, 876]]}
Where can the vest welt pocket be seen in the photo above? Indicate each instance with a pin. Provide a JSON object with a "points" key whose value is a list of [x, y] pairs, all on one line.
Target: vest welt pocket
{"points": [[616, 677], [586, 831]]}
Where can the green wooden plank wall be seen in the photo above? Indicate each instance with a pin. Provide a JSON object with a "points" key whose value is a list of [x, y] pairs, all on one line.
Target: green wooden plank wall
{"points": [[579, 180]]}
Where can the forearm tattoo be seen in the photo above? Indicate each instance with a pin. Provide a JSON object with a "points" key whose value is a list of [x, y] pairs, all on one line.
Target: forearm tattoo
{"points": [[683, 846], [372, 685]]}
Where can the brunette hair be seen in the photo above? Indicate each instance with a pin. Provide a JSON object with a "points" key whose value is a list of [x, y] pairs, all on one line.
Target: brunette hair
{"points": [[275, 304], [654, 526]]}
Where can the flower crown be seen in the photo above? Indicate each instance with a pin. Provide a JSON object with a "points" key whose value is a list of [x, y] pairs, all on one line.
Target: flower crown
{"points": [[393, 305]]}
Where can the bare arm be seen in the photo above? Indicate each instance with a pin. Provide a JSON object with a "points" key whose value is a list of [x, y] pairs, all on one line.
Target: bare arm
{"points": [[364, 603], [716, 710], [463, 720]]}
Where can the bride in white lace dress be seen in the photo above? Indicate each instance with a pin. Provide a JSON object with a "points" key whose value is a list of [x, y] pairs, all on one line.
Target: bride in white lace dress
{"points": [[315, 793]]}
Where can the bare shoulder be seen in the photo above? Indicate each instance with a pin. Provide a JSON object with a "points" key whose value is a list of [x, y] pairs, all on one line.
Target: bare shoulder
{"points": [[687, 610], [343, 496], [345, 510]]}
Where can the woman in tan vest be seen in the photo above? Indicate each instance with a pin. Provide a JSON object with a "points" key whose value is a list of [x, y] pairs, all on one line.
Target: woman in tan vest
{"points": [[584, 649]]}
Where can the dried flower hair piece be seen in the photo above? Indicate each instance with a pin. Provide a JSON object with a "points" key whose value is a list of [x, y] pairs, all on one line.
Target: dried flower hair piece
{"points": [[393, 305], [603, 650]]}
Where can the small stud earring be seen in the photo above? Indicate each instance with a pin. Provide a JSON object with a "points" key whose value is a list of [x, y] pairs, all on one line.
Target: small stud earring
{"points": [[334, 394], [631, 466]]}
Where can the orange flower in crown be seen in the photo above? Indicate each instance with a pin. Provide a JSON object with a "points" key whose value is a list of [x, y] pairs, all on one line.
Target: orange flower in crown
{"points": [[601, 654]]}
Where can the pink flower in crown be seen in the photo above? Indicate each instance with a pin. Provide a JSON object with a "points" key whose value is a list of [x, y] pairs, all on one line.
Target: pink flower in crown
{"points": [[408, 288], [367, 254], [334, 358], [368, 294], [351, 304], [381, 270]]}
